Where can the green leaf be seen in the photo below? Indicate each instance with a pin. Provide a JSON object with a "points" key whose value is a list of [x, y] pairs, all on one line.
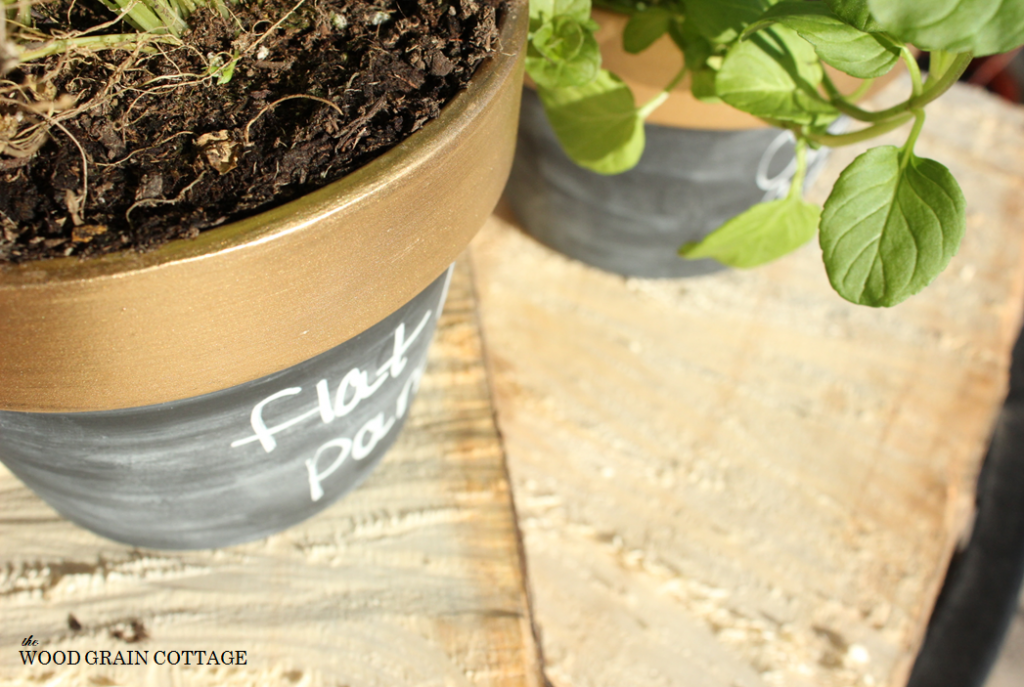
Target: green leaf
{"points": [[860, 54], [644, 28], [721, 21], [702, 85], [563, 52], [140, 16], [983, 27], [597, 124], [546, 10], [696, 49], [887, 231], [225, 73], [774, 74], [761, 234], [677, 34], [855, 13]]}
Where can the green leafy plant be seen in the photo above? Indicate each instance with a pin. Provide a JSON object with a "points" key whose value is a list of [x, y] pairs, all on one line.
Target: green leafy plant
{"points": [[893, 220]]}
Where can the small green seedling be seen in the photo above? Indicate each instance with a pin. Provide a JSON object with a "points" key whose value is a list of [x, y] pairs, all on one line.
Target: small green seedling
{"points": [[893, 220]]}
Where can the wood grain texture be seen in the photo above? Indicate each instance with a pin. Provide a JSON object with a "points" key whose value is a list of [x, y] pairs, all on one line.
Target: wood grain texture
{"points": [[742, 480], [413, 579]]}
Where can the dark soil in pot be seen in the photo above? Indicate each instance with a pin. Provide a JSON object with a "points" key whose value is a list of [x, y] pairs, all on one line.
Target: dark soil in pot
{"points": [[141, 148], [687, 183]]}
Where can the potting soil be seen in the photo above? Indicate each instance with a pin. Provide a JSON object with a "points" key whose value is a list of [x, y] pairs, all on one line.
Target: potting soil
{"points": [[163, 142]]}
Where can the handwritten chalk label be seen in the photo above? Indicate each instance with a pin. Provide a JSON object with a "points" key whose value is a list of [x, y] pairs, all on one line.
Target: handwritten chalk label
{"points": [[354, 387], [365, 440], [777, 187]]}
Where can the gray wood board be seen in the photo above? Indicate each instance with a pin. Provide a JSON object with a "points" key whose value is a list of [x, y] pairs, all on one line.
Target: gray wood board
{"points": [[741, 480], [413, 579]]}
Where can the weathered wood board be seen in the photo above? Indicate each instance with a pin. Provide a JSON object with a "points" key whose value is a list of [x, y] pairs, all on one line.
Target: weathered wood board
{"points": [[413, 579], [742, 480]]}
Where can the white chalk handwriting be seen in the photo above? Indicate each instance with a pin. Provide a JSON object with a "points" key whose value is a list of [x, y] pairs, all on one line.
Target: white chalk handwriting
{"points": [[354, 387]]}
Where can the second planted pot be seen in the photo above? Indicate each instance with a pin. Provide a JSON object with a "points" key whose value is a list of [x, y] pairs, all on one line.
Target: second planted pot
{"points": [[702, 165]]}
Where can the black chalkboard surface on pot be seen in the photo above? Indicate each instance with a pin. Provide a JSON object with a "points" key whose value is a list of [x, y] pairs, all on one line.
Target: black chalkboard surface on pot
{"points": [[687, 183], [235, 464]]}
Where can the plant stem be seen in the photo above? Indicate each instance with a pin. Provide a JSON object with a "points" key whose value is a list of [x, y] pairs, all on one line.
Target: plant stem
{"points": [[172, 15], [908, 148], [861, 89], [914, 69], [796, 185], [119, 41], [837, 140], [675, 80], [138, 15], [154, 16], [940, 61], [834, 94], [846, 107], [222, 9], [25, 13], [931, 89], [842, 102], [273, 28], [938, 84], [645, 110]]}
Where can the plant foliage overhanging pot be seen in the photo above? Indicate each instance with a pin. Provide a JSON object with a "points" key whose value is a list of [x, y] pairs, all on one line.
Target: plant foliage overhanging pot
{"points": [[219, 389], [893, 219], [703, 164]]}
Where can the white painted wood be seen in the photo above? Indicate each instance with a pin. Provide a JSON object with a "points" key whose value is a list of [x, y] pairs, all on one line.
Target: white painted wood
{"points": [[742, 480], [413, 579]]}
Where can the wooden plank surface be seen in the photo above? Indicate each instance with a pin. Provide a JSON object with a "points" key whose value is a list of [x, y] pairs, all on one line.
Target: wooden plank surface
{"points": [[742, 480], [413, 579]]}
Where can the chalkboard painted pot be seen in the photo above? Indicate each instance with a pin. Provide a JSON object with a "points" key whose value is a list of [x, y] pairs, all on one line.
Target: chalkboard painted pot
{"points": [[220, 389], [687, 183], [703, 164]]}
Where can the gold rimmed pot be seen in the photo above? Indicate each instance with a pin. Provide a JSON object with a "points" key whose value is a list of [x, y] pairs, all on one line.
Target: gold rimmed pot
{"points": [[222, 388], [703, 164]]}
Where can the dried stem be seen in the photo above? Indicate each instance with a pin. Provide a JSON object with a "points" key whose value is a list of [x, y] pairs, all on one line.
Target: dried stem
{"points": [[281, 100]]}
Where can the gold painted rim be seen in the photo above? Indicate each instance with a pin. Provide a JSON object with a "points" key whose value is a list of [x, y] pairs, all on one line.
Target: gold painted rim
{"points": [[260, 295]]}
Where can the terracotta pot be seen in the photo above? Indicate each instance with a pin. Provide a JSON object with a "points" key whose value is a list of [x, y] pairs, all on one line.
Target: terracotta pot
{"points": [[703, 164], [219, 389]]}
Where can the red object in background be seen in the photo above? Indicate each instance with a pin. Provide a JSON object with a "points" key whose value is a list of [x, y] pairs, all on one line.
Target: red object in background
{"points": [[993, 74]]}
